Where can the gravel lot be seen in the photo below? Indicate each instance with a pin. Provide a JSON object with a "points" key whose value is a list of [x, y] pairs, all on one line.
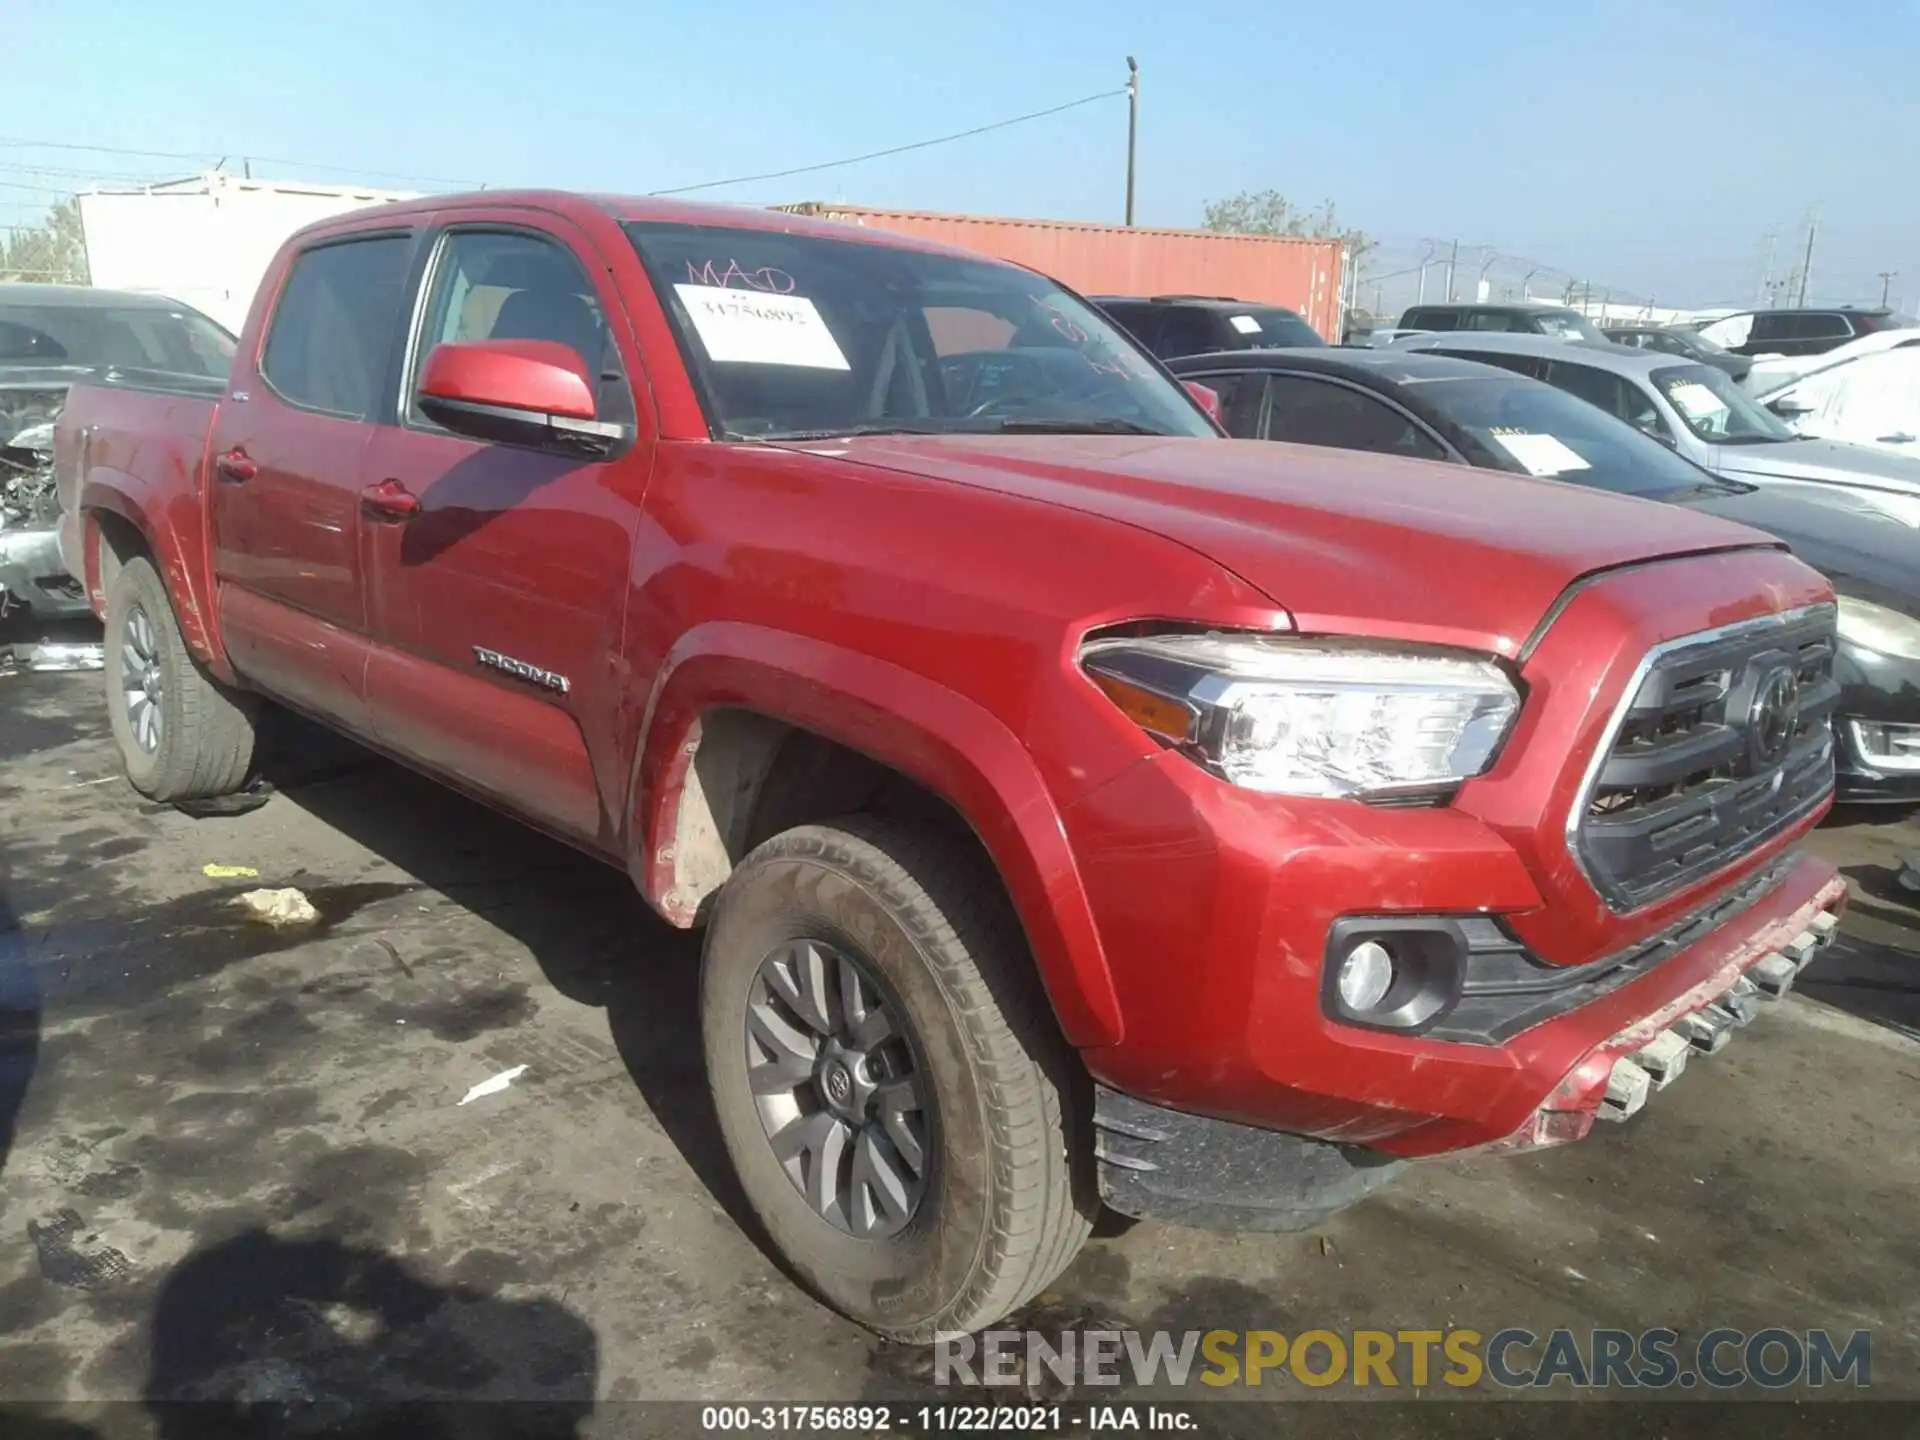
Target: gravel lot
{"points": [[239, 1166]]}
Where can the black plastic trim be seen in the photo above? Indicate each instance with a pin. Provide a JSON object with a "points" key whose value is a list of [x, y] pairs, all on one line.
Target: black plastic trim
{"points": [[1160, 1164]]}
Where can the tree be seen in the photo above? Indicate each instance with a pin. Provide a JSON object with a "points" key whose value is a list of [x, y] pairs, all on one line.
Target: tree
{"points": [[53, 251], [1268, 212]]}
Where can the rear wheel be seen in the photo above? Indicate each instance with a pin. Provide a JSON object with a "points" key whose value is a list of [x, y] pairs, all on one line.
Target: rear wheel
{"points": [[182, 734], [905, 1120]]}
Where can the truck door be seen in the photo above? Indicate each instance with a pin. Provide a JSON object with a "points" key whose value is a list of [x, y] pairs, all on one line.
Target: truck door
{"points": [[498, 573], [286, 460]]}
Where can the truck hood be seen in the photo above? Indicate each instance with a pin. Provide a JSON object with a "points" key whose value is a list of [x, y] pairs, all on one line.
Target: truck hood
{"points": [[1829, 461], [1345, 542]]}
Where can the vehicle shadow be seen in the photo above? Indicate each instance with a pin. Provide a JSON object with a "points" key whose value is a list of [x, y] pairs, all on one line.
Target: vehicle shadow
{"points": [[1872, 970], [19, 1020], [594, 938], [260, 1336]]}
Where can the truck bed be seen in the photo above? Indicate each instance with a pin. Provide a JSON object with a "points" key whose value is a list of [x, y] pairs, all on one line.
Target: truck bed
{"points": [[140, 438]]}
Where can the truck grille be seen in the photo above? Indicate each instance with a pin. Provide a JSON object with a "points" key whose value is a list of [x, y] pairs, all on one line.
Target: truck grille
{"points": [[1725, 739]]}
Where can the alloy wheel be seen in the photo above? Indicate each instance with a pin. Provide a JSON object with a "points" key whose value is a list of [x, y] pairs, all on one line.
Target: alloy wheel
{"points": [[831, 1066], [141, 680]]}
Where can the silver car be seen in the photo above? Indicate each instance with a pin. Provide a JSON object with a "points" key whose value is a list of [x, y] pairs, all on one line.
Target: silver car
{"points": [[1697, 410]]}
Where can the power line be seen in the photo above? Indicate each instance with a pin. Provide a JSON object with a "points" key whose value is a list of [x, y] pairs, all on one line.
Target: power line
{"points": [[895, 150], [205, 155]]}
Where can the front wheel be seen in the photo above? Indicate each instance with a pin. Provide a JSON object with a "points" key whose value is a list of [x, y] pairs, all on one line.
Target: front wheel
{"points": [[904, 1119], [182, 734]]}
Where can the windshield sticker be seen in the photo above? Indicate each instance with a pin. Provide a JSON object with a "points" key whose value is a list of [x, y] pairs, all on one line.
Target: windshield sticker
{"points": [[1099, 354], [1538, 454], [1696, 400], [1245, 324], [765, 279], [741, 328]]}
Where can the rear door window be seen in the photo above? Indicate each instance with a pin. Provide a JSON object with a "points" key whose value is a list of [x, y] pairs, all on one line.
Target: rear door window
{"points": [[1140, 321], [1821, 327], [333, 328], [1770, 329], [1308, 411], [1188, 332], [1430, 319], [1240, 395], [1491, 320]]}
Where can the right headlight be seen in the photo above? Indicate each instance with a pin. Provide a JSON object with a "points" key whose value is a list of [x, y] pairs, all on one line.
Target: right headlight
{"points": [[1316, 717], [1875, 627]]}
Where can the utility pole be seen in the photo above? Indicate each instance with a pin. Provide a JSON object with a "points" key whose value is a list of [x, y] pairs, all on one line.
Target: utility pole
{"points": [[1886, 284], [1453, 257], [1806, 265], [1133, 126]]}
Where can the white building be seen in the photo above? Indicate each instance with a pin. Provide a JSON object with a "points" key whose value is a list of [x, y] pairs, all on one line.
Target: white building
{"points": [[206, 240]]}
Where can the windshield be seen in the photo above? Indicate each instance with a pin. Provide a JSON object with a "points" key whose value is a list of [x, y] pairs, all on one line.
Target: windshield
{"points": [[1567, 325], [800, 335], [1508, 423], [182, 342], [1273, 328], [1714, 408]]}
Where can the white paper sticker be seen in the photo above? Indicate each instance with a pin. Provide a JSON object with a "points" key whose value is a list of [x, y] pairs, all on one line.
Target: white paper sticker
{"points": [[750, 327], [1540, 454], [1245, 324], [1696, 400]]}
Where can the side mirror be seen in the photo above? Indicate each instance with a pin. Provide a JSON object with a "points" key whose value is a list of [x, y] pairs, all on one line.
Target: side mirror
{"points": [[1789, 408], [1205, 396], [520, 392]]}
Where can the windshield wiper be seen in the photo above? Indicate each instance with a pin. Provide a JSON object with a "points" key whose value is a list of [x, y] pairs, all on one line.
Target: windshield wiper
{"points": [[1017, 426]]}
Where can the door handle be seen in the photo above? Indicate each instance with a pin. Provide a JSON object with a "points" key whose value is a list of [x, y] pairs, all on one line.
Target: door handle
{"points": [[390, 500], [235, 466]]}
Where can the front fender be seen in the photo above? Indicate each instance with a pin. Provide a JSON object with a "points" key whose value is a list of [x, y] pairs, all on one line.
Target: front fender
{"points": [[921, 728]]}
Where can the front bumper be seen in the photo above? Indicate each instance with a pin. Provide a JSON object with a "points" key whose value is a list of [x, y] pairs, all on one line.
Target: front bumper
{"points": [[33, 574], [1186, 1169], [1216, 913], [1876, 690]]}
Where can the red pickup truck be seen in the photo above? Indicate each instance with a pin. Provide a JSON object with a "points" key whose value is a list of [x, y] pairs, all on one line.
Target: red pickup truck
{"points": [[1081, 806]]}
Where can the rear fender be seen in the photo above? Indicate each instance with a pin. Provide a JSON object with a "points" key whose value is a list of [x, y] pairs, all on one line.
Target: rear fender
{"points": [[926, 731], [173, 529]]}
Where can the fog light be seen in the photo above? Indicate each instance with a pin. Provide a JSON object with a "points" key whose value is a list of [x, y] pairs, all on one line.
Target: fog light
{"points": [[1365, 976]]}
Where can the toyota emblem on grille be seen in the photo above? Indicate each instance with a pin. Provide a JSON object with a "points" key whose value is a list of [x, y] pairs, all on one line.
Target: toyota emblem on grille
{"points": [[1774, 716]]}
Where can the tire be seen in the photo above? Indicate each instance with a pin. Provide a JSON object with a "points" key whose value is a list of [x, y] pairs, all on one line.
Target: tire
{"points": [[194, 741], [1006, 1192]]}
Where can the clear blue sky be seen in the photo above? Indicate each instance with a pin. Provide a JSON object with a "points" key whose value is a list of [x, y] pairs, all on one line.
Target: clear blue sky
{"points": [[1647, 145]]}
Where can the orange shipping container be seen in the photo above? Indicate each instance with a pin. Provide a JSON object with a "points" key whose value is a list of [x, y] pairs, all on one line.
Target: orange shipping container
{"points": [[1303, 275]]}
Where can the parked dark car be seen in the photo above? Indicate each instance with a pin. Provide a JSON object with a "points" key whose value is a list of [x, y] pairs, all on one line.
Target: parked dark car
{"points": [[1171, 325], [50, 337], [1687, 344], [1436, 407], [1556, 320], [1798, 332]]}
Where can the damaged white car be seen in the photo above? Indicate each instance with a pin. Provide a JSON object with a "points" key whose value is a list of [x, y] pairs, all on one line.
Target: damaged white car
{"points": [[50, 337]]}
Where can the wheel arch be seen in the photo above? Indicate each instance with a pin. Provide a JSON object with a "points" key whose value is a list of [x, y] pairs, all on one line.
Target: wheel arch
{"points": [[731, 697], [119, 523]]}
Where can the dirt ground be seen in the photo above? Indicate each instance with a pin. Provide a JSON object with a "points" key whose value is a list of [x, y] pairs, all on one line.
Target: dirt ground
{"points": [[236, 1165]]}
